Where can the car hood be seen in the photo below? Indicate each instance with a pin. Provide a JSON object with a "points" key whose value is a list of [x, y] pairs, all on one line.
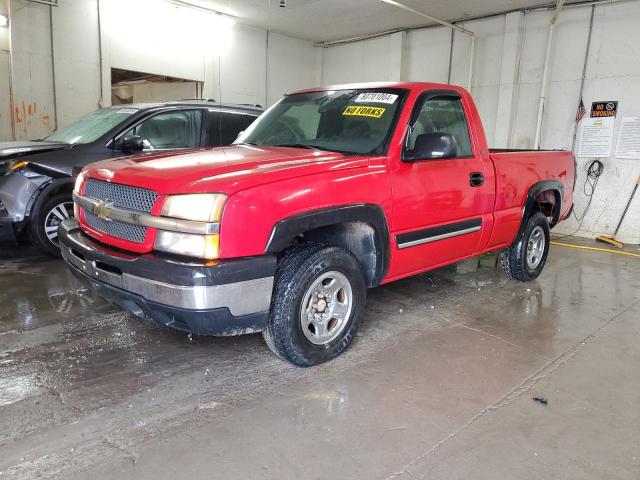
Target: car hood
{"points": [[18, 149], [11, 150], [225, 169]]}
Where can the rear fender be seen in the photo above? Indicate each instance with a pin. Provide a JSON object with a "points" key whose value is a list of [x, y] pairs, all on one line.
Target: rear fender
{"points": [[541, 188]]}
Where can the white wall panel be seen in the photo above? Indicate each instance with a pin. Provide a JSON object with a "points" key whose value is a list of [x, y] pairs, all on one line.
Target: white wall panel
{"points": [[156, 37], [376, 59], [31, 70], [76, 59], [292, 66], [6, 112], [427, 55], [243, 67], [613, 73], [5, 96]]}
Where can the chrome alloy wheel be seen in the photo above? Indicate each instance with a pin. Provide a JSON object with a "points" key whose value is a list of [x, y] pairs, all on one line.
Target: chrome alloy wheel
{"points": [[535, 247], [54, 218], [326, 307]]}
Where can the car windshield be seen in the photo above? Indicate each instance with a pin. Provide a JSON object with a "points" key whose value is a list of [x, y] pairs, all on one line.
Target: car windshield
{"points": [[92, 126], [347, 121]]}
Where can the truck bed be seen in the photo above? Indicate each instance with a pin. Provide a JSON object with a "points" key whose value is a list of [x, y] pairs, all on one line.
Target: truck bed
{"points": [[515, 172]]}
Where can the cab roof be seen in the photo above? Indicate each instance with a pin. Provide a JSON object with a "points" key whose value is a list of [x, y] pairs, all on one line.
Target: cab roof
{"points": [[411, 86], [241, 107]]}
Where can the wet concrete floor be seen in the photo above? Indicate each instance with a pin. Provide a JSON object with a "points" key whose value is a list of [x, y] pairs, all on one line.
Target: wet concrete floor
{"points": [[439, 383]]}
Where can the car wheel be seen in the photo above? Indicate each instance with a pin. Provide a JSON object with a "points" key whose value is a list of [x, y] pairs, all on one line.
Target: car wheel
{"points": [[524, 260], [46, 219], [318, 298]]}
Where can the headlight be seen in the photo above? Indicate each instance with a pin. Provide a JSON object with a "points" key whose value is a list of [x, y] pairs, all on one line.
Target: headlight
{"points": [[201, 207], [18, 165], [78, 185], [200, 246]]}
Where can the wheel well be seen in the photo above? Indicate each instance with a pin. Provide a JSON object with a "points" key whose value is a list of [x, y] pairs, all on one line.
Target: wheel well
{"points": [[49, 189], [548, 202], [359, 238]]}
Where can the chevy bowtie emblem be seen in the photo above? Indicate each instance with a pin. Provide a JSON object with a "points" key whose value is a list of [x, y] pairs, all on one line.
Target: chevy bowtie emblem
{"points": [[101, 210]]}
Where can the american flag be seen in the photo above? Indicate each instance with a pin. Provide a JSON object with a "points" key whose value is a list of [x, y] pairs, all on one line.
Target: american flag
{"points": [[580, 112]]}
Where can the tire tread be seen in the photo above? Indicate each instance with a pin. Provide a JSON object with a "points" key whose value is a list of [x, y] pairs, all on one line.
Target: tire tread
{"points": [[512, 258], [295, 263]]}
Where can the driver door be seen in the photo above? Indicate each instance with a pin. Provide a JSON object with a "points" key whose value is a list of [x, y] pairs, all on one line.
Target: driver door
{"points": [[438, 204]]}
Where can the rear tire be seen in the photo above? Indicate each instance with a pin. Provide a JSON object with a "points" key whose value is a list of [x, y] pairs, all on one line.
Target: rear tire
{"points": [[524, 260], [48, 213], [318, 298]]}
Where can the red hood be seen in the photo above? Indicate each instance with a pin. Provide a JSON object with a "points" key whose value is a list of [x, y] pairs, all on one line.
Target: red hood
{"points": [[225, 170]]}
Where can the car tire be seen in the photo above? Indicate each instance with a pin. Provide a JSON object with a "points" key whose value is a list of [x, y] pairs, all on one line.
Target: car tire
{"points": [[49, 212], [318, 298], [524, 260]]}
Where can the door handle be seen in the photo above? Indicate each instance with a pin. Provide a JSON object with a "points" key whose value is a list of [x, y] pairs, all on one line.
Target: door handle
{"points": [[476, 179]]}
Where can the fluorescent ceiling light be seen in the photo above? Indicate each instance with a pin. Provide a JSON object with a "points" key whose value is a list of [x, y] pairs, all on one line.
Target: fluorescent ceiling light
{"points": [[225, 20], [4, 21]]}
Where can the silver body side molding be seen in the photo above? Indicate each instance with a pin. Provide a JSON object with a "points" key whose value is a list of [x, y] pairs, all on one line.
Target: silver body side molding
{"points": [[438, 237]]}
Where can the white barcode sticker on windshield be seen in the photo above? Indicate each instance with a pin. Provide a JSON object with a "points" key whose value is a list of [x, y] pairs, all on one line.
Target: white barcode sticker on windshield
{"points": [[376, 97], [127, 110]]}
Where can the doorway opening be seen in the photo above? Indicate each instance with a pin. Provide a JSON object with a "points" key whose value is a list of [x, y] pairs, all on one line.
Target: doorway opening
{"points": [[128, 86]]}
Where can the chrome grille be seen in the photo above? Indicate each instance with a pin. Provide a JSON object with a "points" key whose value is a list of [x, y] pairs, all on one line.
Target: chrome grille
{"points": [[122, 196], [126, 231]]}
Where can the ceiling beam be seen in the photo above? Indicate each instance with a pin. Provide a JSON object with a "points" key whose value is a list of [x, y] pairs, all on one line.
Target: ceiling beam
{"points": [[427, 16]]}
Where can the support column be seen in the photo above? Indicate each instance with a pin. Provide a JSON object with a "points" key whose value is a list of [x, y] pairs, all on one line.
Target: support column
{"points": [[509, 78], [397, 67]]}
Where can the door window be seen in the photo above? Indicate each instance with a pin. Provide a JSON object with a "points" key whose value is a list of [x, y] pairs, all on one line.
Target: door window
{"points": [[248, 120], [169, 130], [442, 115], [224, 127]]}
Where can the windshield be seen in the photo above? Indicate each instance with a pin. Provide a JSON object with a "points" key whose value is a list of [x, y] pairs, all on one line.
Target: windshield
{"points": [[91, 127], [346, 121]]}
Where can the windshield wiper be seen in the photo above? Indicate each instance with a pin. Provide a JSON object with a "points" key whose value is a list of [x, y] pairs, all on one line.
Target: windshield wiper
{"points": [[301, 145]]}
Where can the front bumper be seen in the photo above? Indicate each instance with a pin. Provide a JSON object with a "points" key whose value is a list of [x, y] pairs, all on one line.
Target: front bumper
{"points": [[7, 230], [227, 297]]}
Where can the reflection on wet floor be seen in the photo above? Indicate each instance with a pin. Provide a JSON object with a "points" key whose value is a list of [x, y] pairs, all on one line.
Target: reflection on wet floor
{"points": [[78, 373]]}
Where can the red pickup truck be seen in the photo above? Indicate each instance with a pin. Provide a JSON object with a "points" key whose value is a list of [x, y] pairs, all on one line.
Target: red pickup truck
{"points": [[331, 191]]}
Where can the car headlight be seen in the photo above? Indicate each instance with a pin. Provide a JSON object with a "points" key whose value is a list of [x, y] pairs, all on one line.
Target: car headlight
{"points": [[200, 207], [17, 165], [200, 246]]}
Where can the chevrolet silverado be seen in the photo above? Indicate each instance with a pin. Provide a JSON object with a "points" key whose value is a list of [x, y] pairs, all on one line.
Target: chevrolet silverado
{"points": [[330, 192]]}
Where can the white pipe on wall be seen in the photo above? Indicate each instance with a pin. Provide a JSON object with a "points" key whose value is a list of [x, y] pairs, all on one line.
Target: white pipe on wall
{"points": [[427, 16], [473, 53], [453, 26], [545, 73]]}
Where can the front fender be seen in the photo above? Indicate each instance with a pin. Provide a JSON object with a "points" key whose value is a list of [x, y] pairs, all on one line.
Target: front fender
{"points": [[18, 193], [251, 216]]}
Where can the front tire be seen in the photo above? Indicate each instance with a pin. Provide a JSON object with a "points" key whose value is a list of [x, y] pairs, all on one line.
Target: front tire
{"points": [[318, 298], [48, 214], [524, 260]]}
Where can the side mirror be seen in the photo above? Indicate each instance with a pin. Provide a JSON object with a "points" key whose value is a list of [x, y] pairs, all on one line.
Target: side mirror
{"points": [[431, 146], [132, 144]]}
